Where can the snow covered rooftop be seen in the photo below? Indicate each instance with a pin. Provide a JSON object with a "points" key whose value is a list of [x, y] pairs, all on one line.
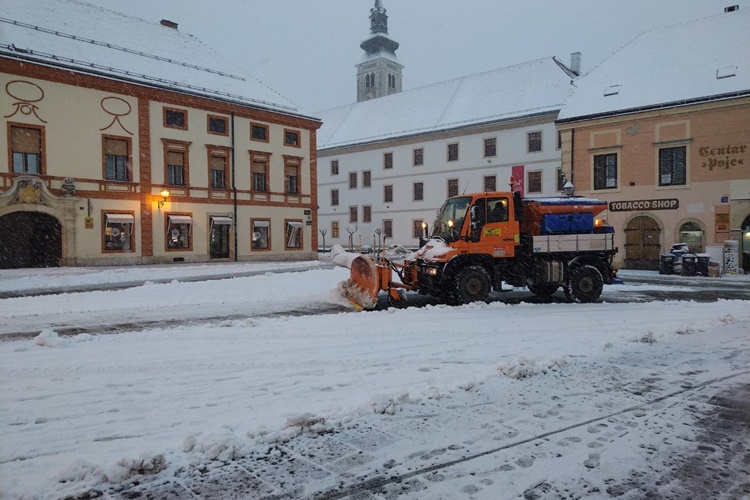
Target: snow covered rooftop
{"points": [[704, 59], [90, 39], [525, 89]]}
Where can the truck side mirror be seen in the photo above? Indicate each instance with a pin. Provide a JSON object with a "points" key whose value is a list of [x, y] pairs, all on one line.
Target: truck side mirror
{"points": [[476, 224]]}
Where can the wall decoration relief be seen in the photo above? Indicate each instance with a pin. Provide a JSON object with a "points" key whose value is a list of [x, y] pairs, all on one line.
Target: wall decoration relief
{"points": [[26, 94], [116, 107]]}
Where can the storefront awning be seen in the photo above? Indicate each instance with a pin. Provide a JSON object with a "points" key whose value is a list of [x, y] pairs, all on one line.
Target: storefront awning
{"points": [[221, 221], [180, 219], [120, 219]]}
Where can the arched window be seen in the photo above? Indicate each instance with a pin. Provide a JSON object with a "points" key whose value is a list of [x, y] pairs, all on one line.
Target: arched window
{"points": [[692, 234]]}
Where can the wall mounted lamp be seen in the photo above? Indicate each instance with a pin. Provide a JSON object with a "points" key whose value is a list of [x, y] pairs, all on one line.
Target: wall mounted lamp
{"points": [[164, 195]]}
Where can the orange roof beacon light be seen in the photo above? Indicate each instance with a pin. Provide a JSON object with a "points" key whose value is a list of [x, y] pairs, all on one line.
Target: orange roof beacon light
{"points": [[511, 183], [164, 194]]}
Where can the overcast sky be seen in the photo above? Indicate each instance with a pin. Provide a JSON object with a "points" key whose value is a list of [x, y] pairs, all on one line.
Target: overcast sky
{"points": [[307, 49]]}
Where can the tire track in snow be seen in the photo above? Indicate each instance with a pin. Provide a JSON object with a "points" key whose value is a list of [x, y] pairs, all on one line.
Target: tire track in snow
{"points": [[372, 484]]}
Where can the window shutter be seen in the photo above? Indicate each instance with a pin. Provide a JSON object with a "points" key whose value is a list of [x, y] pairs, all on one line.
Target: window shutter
{"points": [[116, 147], [26, 140], [175, 158], [217, 163]]}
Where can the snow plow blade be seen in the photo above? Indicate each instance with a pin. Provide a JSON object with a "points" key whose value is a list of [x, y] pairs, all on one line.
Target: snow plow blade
{"points": [[363, 285]]}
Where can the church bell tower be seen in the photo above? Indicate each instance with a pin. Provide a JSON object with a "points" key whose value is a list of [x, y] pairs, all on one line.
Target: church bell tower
{"points": [[379, 72]]}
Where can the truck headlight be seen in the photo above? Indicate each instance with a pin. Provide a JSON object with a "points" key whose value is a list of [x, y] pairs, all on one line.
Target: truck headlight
{"points": [[431, 271]]}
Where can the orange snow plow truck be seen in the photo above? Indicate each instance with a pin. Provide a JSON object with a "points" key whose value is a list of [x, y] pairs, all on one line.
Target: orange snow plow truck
{"points": [[480, 240]]}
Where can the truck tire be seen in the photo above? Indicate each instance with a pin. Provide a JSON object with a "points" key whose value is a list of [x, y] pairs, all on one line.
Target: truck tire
{"points": [[585, 284], [472, 284], [543, 291]]}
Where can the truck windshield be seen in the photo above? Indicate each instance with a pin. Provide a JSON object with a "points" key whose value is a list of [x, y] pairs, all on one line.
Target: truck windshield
{"points": [[450, 218]]}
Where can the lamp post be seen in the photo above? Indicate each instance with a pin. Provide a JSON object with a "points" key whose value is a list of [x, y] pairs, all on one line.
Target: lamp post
{"points": [[568, 188]]}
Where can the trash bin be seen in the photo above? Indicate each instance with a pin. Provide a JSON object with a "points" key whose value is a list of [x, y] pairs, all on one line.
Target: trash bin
{"points": [[665, 263], [689, 264], [677, 263], [702, 266]]}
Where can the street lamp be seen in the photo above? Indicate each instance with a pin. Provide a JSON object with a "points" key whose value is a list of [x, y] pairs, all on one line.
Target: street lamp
{"points": [[568, 187], [164, 195]]}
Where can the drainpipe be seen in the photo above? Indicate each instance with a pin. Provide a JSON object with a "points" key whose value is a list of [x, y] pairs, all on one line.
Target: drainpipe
{"points": [[234, 191]]}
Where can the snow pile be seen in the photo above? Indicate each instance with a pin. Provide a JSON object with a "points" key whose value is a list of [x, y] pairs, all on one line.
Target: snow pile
{"points": [[87, 475], [525, 367], [50, 338]]}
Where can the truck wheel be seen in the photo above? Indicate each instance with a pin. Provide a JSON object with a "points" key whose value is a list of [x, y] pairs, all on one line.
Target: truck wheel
{"points": [[543, 291], [585, 284], [472, 284]]}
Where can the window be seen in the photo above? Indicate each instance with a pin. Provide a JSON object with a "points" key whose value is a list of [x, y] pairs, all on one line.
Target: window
{"points": [[560, 183], [116, 156], [353, 214], [490, 147], [559, 139], [418, 157], [388, 228], [259, 169], [291, 174], [672, 166], [490, 183], [452, 187], [259, 132], [534, 181], [179, 229], [334, 197], [218, 239], [26, 149], [418, 191], [291, 138], [334, 167], [416, 231], [605, 171], [293, 235], [534, 142], [175, 118], [387, 160], [367, 213], [176, 162], [261, 234], [218, 125], [452, 152], [692, 234], [366, 179], [335, 229], [352, 180], [118, 232], [388, 193], [498, 210], [218, 166]]}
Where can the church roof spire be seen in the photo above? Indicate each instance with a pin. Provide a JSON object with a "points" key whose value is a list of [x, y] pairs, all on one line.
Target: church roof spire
{"points": [[378, 19], [379, 41]]}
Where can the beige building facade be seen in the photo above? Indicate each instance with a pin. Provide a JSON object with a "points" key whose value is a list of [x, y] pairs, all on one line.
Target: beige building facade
{"points": [[670, 176], [99, 169]]}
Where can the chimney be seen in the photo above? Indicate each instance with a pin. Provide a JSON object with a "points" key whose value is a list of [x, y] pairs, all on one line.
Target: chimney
{"points": [[575, 63], [169, 24], [731, 8]]}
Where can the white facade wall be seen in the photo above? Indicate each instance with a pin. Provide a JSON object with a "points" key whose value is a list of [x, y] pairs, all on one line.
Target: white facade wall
{"points": [[470, 169]]}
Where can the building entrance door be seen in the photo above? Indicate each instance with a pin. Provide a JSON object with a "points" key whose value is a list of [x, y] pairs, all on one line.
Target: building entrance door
{"points": [[30, 239], [642, 243]]}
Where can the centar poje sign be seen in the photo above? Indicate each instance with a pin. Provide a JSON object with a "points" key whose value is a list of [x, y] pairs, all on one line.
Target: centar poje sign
{"points": [[626, 206]]}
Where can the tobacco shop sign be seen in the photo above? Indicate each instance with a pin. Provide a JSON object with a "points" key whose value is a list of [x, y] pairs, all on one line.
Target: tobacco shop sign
{"points": [[628, 206]]}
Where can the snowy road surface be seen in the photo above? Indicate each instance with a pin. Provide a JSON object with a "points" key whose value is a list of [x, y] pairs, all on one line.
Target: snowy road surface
{"points": [[481, 401]]}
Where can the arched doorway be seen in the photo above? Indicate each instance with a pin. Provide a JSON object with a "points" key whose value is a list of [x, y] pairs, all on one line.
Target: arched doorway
{"points": [[30, 239], [746, 244], [692, 234], [642, 243]]}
